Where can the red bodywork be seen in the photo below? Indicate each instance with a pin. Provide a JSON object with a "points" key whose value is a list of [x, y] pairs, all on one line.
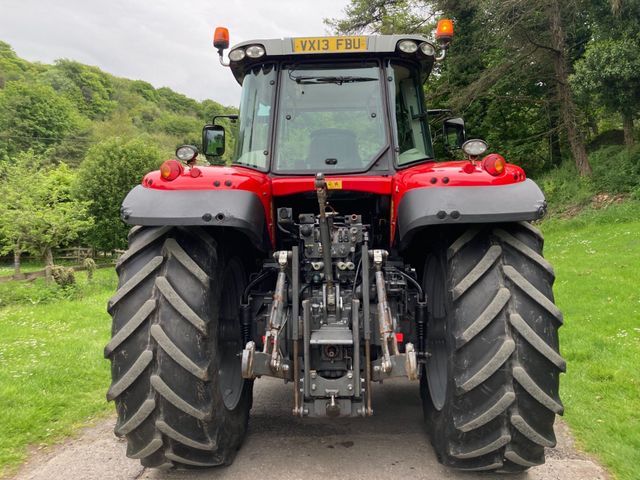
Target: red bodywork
{"points": [[427, 175]]}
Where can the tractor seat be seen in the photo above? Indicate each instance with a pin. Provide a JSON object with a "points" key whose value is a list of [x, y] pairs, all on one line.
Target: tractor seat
{"points": [[337, 145]]}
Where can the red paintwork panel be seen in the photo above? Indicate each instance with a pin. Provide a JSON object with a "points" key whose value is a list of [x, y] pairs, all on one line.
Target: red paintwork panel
{"points": [[448, 174], [373, 184], [220, 178], [454, 174]]}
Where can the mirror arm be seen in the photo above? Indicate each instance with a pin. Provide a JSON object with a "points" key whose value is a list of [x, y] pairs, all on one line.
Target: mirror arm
{"points": [[221, 57]]}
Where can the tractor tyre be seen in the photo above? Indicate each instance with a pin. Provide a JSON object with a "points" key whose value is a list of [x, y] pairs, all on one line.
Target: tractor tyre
{"points": [[490, 384], [176, 375]]}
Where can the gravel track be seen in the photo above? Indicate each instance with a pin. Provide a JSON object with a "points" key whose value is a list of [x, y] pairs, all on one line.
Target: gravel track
{"points": [[391, 444]]}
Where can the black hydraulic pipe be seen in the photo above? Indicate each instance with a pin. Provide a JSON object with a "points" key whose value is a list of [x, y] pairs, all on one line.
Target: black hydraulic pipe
{"points": [[255, 281], [413, 281]]}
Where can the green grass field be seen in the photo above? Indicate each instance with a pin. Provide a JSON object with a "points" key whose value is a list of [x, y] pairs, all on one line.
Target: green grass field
{"points": [[54, 378], [597, 261]]}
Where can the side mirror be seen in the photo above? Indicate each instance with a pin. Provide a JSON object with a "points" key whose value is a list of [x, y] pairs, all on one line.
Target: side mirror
{"points": [[453, 133], [213, 140]]}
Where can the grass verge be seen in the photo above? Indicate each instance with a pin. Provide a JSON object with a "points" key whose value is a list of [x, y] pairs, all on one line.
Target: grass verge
{"points": [[53, 376], [596, 256]]}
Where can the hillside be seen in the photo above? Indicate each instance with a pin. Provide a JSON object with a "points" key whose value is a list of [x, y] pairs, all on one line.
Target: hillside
{"points": [[60, 110], [86, 138]]}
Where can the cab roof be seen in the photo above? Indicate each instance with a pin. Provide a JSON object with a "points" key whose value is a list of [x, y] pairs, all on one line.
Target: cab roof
{"points": [[376, 46]]}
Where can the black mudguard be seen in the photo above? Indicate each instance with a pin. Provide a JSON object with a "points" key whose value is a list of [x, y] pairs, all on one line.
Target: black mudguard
{"points": [[237, 209], [427, 206]]}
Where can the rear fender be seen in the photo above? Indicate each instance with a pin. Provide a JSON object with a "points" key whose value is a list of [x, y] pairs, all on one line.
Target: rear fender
{"points": [[237, 209], [429, 206], [220, 197]]}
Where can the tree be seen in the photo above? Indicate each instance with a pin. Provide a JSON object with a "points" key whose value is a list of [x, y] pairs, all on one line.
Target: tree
{"points": [[11, 67], [509, 62], [609, 74], [110, 169], [40, 212], [565, 95], [34, 116], [384, 17], [18, 192], [61, 217], [89, 88]]}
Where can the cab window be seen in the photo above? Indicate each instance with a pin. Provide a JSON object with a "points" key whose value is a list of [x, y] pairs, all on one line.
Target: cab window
{"points": [[410, 120]]}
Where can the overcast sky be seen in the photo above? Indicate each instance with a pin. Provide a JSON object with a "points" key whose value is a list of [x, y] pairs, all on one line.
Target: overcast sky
{"points": [[165, 42]]}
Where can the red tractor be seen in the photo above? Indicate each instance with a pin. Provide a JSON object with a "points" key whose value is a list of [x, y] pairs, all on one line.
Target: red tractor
{"points": [[335, 252]]}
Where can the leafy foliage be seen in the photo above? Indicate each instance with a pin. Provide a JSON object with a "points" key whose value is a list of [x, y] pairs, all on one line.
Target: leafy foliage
{"points": [[33, 116], [89, 88], [507, 68], [64, 276], [609, 75], [53, 118], [110, 169], [40, 212]]}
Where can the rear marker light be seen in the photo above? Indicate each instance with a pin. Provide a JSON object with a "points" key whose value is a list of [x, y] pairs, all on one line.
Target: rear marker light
{"points": [[494, 164], [170, 170]]}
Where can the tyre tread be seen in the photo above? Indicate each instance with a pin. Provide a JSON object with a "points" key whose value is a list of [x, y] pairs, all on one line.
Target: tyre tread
{"points": [[499, 416], [130, 376]]}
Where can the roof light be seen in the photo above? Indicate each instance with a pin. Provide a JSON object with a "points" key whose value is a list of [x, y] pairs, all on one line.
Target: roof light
{"points": [[444, 30], [427, 49], [170, 170], [236, 55], [407, 46], [494, 164], [474, 147], [255, 51], [221, 38]]}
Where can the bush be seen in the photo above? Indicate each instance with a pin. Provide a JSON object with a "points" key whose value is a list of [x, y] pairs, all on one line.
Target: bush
{"points": [[110, 170], [616, 170], [63, 276], [563, 187], [90, 265]]}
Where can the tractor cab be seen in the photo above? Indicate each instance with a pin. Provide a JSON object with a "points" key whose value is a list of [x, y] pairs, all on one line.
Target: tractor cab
{"points": [[332, 104]]}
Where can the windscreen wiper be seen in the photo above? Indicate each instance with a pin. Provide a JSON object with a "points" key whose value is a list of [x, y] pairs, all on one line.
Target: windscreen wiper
{"points": [[338, 80]]}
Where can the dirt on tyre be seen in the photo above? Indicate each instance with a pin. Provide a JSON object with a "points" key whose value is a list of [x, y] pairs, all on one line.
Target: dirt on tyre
{"points": [[176, 382], [490, 386]]}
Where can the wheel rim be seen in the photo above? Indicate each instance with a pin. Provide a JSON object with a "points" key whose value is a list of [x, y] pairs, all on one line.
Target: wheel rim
{"points": [[229, 336], [437, 369]]}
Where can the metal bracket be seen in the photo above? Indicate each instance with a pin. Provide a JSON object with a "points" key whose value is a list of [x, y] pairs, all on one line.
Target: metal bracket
{"points": [[402, 365], [256, 364]]}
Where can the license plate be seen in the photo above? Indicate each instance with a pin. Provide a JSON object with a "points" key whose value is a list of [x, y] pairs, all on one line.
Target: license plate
{"points": [[329, 44]]}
